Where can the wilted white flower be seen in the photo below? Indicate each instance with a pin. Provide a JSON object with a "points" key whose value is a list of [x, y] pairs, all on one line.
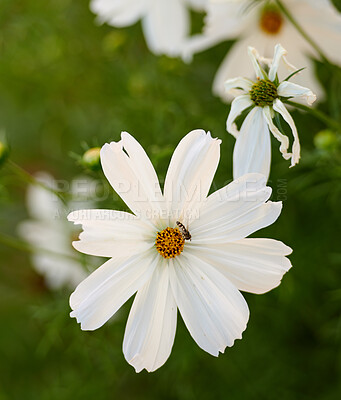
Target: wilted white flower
{"points": [[252, 152], [261, 24], [180, 249], [166, 23], [49, 234]]}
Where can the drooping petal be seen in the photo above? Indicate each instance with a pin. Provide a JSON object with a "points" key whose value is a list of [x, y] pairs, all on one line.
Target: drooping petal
{"points": [[277, 133], [119, 12], [289, 89], [109, 233], [235, 211], [102, 293], [132, 175], [165, 26], [239, 104], [279, 55], [252, 265], [280, 108], [151, 325], [252, 151], [190, 174], [214, 311]]}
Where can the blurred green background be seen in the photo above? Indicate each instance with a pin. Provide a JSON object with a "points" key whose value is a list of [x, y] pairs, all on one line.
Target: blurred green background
{"points": [[64, 82]]}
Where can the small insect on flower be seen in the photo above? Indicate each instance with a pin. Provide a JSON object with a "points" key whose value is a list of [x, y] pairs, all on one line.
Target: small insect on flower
{"points": [[152, 254], [184, 232]]}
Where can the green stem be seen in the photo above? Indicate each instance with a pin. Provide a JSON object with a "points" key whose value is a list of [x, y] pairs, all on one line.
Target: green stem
{"points": [[28, 178], [304, 34], [21, 245], [317, 113]]}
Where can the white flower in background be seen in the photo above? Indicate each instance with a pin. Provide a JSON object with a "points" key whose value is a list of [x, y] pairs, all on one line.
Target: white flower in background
{"points": [[252, 151], [49, 234], [166, 23], [180, 249], [261, 24]]}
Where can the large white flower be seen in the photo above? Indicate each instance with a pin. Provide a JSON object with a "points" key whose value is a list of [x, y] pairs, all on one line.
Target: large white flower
{"points": [[49, 233], [166, 23], [252, 152], [261, 24], [197, 267]]}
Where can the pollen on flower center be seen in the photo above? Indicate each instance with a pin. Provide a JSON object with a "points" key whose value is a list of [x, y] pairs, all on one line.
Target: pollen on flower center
{"points": [[271, 20], [263, 93], [169, 242]]}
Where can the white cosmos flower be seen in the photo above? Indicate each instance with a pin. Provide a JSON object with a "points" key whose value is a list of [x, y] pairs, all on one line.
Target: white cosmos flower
{"points": [[252, 152], [166, 23], [261, 24], [149, 255], [49, 233]]}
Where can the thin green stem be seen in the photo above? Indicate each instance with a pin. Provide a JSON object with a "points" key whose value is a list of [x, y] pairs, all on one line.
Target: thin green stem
{"points": [[335, 125], [21, 245], [28, 178], [304, 34]]}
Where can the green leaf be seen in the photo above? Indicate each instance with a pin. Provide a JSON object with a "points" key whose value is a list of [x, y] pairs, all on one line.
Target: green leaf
{"points": [[294, 73]]}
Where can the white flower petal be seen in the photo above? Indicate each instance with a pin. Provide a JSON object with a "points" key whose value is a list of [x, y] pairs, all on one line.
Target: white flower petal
{"points": [[254, 56], [277, 133], [252, 151], [235, 63], [198, 5], [279, 55], [239, 104], [252, 265], [58, 271], [190, 174], [289, 89], [238, 83], [221, 24], [235, 211], [165, 26], [119, 12], [214, 311], [195, 44], [52, 255], [132, 175], [109, 233], [323, 23], [280, 108], [42, 204], [151, 325], [102, 293], [50, 235]]}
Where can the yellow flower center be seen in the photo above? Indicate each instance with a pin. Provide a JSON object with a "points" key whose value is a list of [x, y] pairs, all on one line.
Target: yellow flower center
{"points": [[169, 242], [271, 20], [263, 93]]}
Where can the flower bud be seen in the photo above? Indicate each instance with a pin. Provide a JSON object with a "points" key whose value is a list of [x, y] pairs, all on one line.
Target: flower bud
{"points": [[91, 159]]}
